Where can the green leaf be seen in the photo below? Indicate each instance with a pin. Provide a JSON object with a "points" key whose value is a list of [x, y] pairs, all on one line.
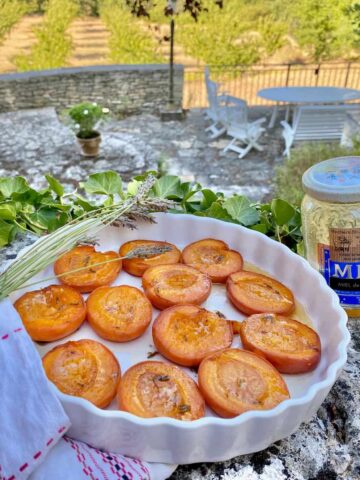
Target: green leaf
{"points": [[7, 233], [283, 212], [240, 209], [8, 211], [260, 227], [82, 202], [133, 187], [217, 211], [209, 197], [48, 219], [55, 185], [13, 185], [167, 187], [105, 183]]}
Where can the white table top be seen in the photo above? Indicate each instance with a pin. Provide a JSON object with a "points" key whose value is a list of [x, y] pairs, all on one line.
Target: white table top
{"points": [[309, 94]]}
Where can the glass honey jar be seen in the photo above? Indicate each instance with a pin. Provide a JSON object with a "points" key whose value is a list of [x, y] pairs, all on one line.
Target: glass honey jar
{"points": [[330, 214]]}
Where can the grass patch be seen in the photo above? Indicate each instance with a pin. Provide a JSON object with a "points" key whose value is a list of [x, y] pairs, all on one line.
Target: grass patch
{"points": [[288, 176]]}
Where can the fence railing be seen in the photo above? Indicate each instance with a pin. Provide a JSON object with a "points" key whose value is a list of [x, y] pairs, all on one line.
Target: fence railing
{"points": [[245, 82]]}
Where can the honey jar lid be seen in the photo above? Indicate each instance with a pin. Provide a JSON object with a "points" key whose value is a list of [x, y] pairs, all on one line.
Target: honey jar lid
{"points": [[336, 180]]}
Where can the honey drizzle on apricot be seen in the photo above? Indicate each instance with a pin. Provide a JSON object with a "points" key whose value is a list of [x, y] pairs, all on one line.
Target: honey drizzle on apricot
{"points": [[161, 395], [262, 290], [193, 327], [79, 369], [241, 381]]}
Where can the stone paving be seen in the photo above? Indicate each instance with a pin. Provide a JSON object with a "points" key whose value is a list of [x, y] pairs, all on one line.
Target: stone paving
{"points": [[34, 142]]}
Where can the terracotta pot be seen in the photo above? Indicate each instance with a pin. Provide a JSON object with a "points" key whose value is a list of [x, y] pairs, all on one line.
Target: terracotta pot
{"points": [[90, 146]]}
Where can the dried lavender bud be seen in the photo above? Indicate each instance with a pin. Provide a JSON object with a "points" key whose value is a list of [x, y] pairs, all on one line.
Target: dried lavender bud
{"points": [[146, 252], [184, 408], [162, 378], [152, 354], [219, 314], [92, 242]]}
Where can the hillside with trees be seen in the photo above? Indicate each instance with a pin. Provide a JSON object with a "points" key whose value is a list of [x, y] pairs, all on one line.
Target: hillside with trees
{"points": [[227, 32]]}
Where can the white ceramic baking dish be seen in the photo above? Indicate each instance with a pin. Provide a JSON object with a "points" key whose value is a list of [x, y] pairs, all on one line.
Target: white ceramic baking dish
{"points": [[212, 438]]}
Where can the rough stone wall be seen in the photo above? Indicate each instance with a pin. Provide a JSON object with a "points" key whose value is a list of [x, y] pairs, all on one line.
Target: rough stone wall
{"points": [[122, 88]]}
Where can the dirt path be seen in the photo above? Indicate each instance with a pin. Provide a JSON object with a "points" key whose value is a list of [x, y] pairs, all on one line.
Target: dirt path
{"points": [[20, 40], [90, 42]]}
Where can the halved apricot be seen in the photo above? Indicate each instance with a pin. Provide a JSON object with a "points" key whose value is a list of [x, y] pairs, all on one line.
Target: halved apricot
{"points": [[52, 312], [214, 258], [137, 266], [289, 345], [169, 285], [234, 381], [84, 369], [185, 334], [119, 313], [156, 389], [252, 292], [95, 275]]}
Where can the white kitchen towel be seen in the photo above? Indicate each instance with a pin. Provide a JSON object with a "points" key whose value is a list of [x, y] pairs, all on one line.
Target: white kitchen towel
{"points": [[33, 422], [31, 417], [74, 460]]}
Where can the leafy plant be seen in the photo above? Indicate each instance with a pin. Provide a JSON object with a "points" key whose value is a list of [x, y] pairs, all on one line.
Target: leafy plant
{"points": [[25, 209], [278, 219], [10, 13], [53, 43], [129, 41], [85, 117], [288, 176]]}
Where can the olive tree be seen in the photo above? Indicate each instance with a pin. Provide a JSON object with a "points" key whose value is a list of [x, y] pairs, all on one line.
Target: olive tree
{"points": [[142, 8]]}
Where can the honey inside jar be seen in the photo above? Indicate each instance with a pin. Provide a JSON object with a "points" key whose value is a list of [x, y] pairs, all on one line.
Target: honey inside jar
{"points": [[331, 226]]}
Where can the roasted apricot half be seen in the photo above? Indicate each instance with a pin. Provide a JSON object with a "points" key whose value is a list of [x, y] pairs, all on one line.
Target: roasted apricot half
{"points": [[95, 275], [119, 313], [252, 293], [169, 285], [185, 334], [214, 258], [157, 389], [234, 381], [52, 312], [84, 369], [289, 345], [137, 266]]}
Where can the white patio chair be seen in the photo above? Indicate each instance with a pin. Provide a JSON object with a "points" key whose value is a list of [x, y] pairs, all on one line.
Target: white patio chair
{"points": [[315, 122], [245, 134]]}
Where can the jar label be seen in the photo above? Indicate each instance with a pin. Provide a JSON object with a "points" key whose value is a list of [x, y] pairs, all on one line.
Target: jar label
{"points": [[340, 264]]}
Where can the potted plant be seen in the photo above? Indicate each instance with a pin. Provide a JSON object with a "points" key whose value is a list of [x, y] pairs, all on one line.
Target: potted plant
{"points": [[84, 118]]}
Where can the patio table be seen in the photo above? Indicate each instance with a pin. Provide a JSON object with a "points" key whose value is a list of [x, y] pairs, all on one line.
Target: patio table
{"points": [[306, 95]]}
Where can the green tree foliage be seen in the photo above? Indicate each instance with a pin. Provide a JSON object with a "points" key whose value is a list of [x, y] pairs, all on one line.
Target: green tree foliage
{"points": [[86, 7], [130, 42], [241, 33], [322, 27], [53, 43], [10, 13]]}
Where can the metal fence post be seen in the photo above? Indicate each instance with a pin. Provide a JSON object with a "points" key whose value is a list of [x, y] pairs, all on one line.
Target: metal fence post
{"points": [[347, 74], [288, 75], [317, 71]]}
